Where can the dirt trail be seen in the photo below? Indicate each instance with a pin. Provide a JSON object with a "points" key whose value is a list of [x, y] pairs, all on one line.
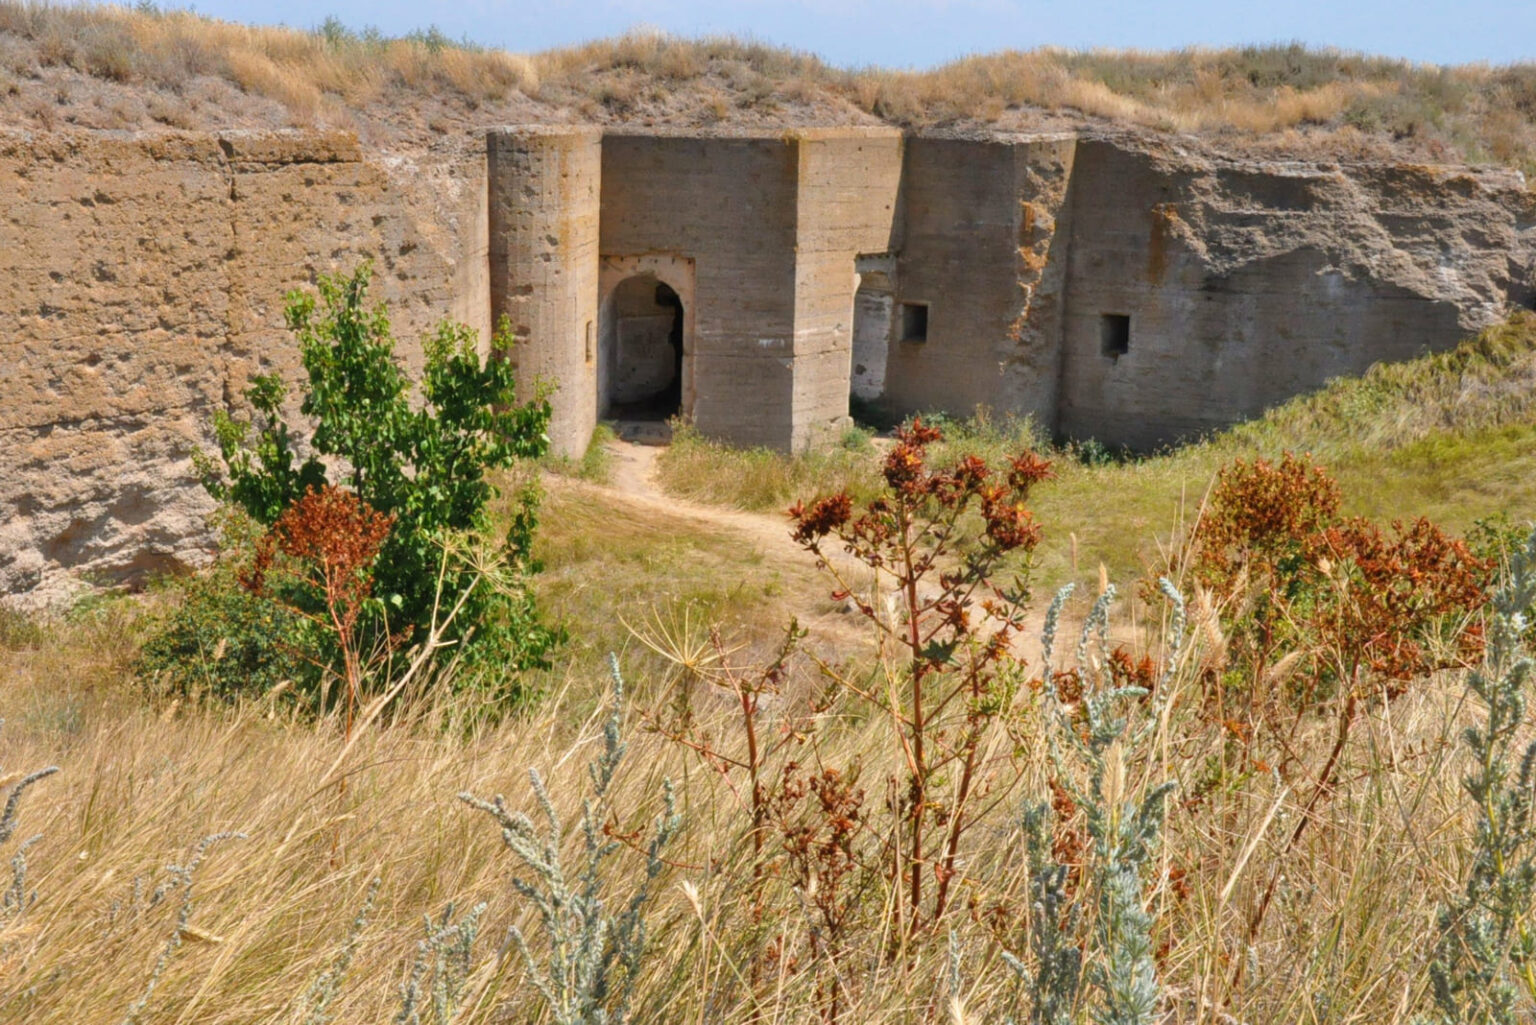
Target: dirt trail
{"points": [[635, 453], [633, 480]]}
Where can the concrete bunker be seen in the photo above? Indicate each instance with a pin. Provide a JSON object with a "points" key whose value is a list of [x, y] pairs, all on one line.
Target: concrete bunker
{"points": [[761, 285], [811, 266]]}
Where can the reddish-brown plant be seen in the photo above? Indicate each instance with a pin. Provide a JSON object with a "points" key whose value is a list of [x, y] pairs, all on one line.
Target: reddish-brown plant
{"points": [[1393, 592], [1260, 516], [820, 816], [1359, 612], [330, 539], [938, 535]]}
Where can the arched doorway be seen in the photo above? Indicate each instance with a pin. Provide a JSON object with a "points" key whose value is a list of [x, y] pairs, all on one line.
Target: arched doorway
{"points": [[645, 349]]}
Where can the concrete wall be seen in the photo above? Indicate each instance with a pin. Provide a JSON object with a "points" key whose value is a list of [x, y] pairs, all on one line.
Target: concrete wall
{"points": [[846, 204], [874, 307], [544, 185], [727, 205], [771, 226], [142, 283], [986, 228]]}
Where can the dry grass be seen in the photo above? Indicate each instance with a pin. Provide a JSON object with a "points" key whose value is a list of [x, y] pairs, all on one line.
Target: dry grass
{"points": [[172, 47], [1272, 99], [1347, 938], [608, 563], [142, 781]]}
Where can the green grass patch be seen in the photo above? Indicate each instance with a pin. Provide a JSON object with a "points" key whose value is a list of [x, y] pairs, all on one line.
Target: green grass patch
{"points": [[1451, 436], [611, 565], [595, 464], [760, 479]]}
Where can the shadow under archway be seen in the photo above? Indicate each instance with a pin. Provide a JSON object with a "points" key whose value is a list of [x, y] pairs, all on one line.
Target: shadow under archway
{"points": [[645, 359]]}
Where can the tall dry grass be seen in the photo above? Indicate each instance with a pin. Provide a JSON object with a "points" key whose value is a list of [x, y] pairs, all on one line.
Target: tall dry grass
{"points": [[1347, 939], [301, 71]]}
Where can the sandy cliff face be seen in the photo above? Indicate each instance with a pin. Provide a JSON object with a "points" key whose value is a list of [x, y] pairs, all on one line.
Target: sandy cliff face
{"points": [[141, 284], [1246, 282]]}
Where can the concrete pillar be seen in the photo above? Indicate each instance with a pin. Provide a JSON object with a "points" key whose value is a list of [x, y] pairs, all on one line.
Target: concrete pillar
{"points": [[544, 184]]}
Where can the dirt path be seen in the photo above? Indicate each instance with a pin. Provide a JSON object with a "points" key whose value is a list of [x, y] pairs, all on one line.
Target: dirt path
{"points": [[634, 477], [633, 481]]}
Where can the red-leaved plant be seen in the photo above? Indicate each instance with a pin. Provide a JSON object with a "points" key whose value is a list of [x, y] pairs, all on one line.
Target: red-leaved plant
{"points": [[329, 539], [938, 537], [1358, 611]]}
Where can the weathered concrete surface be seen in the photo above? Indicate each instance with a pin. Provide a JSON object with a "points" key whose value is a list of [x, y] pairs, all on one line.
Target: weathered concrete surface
{"points": [[728, 205], [627, 286], [771, 226], [544, 183], [874, 309], [1249, 283], [142, 283], [846, 204], [982, 248]]}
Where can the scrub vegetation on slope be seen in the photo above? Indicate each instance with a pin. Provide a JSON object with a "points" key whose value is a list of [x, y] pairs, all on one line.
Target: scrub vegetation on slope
{"points": [[1233, 796], [96, 67]]}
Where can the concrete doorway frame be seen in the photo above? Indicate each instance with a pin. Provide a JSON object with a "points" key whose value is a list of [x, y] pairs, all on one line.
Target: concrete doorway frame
{"points": [[670, 269]]}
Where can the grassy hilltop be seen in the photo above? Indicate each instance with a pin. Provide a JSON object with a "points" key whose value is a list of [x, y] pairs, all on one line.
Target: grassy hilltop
{"points": [[110, 68]]}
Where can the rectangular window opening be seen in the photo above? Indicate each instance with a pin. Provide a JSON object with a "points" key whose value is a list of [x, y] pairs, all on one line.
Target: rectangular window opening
{"points": [[914, 322], [1115, 334], [590, 353]]}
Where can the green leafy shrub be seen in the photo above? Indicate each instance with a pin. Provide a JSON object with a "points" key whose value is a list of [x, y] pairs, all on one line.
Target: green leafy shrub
{"points": [[422, 461], [224, 641]]}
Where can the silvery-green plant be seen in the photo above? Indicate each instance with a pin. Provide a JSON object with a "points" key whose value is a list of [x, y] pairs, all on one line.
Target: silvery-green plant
{"points": [[1486, 950], [17, 898], [1101, 737], [1054, 921], [591, 957], [327, 986], [447, 953], [181, 878]]}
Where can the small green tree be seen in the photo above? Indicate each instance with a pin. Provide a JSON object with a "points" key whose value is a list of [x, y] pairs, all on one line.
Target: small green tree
{"points": [[424, 463]]}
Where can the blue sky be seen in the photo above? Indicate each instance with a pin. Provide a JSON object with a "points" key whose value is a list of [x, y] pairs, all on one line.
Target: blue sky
{"points": [[919, 33]]}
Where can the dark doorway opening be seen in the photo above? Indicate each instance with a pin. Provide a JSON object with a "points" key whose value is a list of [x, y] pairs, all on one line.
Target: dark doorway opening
{"points": [[914, 322], [1115, 334], [646, 382]]}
